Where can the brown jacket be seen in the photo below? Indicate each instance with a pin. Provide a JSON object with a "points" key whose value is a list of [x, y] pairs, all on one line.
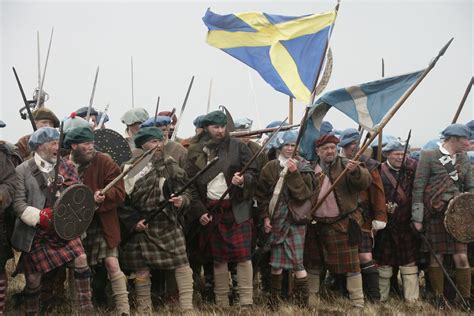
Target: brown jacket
{"points": [[22, 146], [372, 200], [100, 172]]}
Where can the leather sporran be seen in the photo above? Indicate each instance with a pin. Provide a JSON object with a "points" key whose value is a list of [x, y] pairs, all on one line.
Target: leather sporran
{"points": [[354, 231], [299, 212]]}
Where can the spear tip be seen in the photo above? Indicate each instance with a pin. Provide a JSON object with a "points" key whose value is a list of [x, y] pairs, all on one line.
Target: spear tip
{"points": [[443, 50]]}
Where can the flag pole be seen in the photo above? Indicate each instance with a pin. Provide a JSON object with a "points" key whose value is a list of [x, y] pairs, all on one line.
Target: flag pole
{"points": [[380, 142], [313, 93], [290, 111], [463, 100], [382, 124]]}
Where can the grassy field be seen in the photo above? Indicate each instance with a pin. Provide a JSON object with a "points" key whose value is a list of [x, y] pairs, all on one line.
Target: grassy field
{"points": [[327, 305]]}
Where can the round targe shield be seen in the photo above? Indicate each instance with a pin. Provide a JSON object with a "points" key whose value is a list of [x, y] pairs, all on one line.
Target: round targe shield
{"points": [[459, 218], [73, 211], [112, 143]]}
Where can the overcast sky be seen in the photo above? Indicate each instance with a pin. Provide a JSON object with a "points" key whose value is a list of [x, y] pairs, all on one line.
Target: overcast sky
{"points": [[167, 42]]}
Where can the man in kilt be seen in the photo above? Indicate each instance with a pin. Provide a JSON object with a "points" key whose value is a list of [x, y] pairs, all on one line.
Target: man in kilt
{"points": [[43, 250], [159, 243], [443, 173], [228, 229], [286, 237], [333, 242], [395, 245], [97, 170], [374, 210], [7, 193]]}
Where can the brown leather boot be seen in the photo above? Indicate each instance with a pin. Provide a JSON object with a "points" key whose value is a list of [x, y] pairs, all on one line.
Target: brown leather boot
{"points": [[301, 292], [275, 291]]}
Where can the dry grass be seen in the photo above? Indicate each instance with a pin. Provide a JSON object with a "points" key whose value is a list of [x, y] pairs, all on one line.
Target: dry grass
{"points": [[325, 306]]}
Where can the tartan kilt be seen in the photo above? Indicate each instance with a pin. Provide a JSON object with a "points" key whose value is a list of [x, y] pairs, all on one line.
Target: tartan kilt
{"points": [[227, 240], [288, 255], [95, 245], [339, 256], [161, 246], [366, 243], [440, 240], [395, 247], [49, 251]]}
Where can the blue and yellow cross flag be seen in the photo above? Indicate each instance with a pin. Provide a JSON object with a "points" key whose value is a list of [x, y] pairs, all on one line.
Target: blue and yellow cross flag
{"points": [[287, 51], [366, 104]]}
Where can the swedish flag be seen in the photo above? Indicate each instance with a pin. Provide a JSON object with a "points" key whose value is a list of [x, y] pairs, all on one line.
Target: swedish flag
{"points": [[286, 51]]}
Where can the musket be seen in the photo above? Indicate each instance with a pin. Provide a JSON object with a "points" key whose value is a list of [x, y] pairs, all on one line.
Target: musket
{"points": [[175, 132], [57, 184], [44, 70], [27, 104], [403, 167], [91, 100], [262, 131], [127, 170], [463, 100], [156, 110], [162, 205], [382, 124], [102, 118], [440, 264]]}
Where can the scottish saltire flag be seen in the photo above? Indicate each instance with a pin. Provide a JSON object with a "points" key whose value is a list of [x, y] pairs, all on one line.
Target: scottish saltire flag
{"points": [[366, 104], [287, 51]]}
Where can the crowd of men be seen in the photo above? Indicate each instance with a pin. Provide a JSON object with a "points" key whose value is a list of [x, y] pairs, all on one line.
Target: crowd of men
{"points": [[238, 225]]}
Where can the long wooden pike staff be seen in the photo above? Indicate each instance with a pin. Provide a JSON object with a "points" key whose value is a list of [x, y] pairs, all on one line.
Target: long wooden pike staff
{"points": [[40, 88], [91, 100], [156, 110], [175, 132], [209, 97], [25, 101], [382, 124], [463, 100]]}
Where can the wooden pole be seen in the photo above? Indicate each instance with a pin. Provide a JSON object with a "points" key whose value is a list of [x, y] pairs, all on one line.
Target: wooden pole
{"points": [[290, 111], [463, 100], [382, 124], [380, 141]]}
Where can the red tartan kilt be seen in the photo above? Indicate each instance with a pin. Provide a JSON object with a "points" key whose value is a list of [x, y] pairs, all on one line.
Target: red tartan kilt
{"points": [[339, 256], [440, 240], [49, 252], [395, 247], [227, 241]]}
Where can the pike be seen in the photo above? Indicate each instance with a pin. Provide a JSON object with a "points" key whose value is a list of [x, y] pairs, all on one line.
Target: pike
{"points": [[463, 100], [39, 59], [40, 91], [162, 205], [102, 118], [230, 121], [262, 131], [156, 110], [175, 132], [209, 97], [91, 100], [382, 124], [446, 274], [403, 167], [27, 105], [380, 140]]}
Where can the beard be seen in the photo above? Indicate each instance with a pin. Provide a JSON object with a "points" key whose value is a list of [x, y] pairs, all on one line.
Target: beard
{"points": [[82, 157]]}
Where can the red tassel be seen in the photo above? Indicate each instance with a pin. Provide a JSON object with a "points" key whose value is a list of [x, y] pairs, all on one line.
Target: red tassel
{"points": [[73, 115]]}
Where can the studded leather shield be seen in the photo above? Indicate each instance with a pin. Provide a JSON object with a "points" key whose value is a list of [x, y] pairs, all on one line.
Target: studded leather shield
{"points": [[459, 218], [73, 211], [112, 143]]}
